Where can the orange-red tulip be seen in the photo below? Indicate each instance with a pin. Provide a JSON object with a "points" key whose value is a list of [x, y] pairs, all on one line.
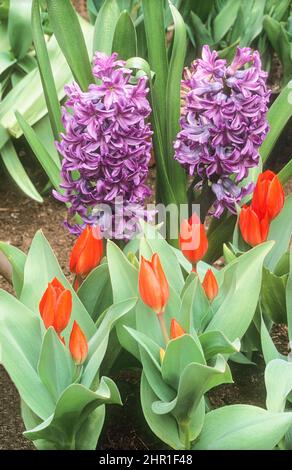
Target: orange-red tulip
{"points": [[153, 285], [78, 344], [87, 251], [56, 306], [254, 230], [193, 240], [268, 197], [176, 330], [210, 285]]}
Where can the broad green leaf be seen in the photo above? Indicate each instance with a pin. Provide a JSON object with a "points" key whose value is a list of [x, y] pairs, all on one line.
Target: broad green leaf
{"points": [[124, 280], [273, 296], [17, 171], [164, 426], [285, 173], [215, 342], [89, 432], [105, 26], [55, 367], [280, 232], [73, 408], [98, 343], [20, 340], [40, 268], [195, 380], [50, 167], [6, 61], [67, 30], [45, 69], [17, 260], [237, 309], [179, 353], [278, 380], [289, 298], [220, 232], [242, 427], [19, 27], [225, 19], [95, 291], [195, 307], [125, 39], [270, 351]]}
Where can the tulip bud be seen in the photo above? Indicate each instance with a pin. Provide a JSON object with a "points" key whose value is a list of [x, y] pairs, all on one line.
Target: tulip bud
{"points": [[210, 285], [176, 330], [193, 240], [153, 285], [253, 229], [268, 197], [56, 306], [162, 354], [78, 345], [87, 251]]}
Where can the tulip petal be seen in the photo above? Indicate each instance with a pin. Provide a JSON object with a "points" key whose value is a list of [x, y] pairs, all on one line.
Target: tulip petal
{"points": [[149, 286]]}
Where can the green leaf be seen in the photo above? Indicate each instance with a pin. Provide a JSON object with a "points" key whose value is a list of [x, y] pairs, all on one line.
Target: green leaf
{"points": [[195, 307], [179, 353], [273, 296], [40, 269], [124, 280], [164, 426], [45, 69], [89, 432], [201, 33], [215, 342], [73, 408], [17, 172], [202, 8], [289, 298], [286, 173], [95, 291], [105, 26], [177, 175], [6, 61], [278, 380], [278, 116], [67, 30], [225, 19], [55, 367], [237, 309], [17, 260], [125, 39], [195, 380], [153, 11], [20, 339], [19, 27], [280, 231], [242, 427], [270, 351], [220, 232], [45, 159]]}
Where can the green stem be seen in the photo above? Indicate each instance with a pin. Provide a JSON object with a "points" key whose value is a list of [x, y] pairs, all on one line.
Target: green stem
{"points": [[163, 327]]}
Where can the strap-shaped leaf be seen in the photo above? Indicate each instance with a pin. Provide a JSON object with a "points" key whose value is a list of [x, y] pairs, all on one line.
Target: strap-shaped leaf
{"points": [[67, 30], [105, 26], [125, 38], [45, 69], [17, 260], [17, 171], [19, 27]]}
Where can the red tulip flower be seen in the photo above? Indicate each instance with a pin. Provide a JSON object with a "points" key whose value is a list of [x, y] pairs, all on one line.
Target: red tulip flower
{"points": [[254, 229], [268, 197], [153, 285], [210, 285], [193, 239], [56, 306], [87, 251], [78, 344], [176, 329]]}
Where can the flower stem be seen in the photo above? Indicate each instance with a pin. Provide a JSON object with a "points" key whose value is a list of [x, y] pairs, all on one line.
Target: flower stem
{"points": [[163, 327], [186, 435]]}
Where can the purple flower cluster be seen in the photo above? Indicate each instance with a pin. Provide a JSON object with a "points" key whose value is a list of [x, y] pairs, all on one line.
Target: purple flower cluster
{"points": [[223, 122], [106, 146]]}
